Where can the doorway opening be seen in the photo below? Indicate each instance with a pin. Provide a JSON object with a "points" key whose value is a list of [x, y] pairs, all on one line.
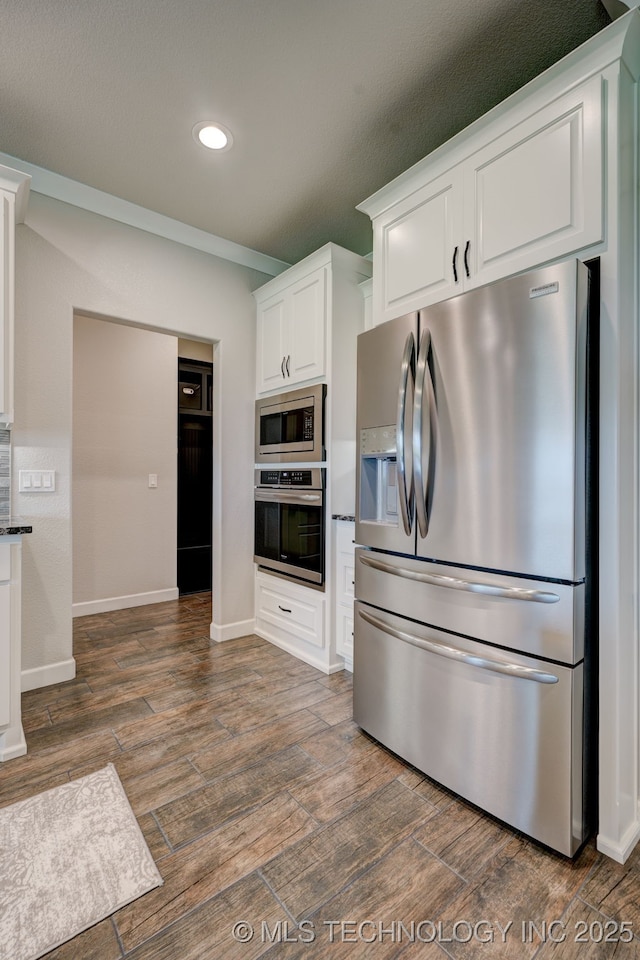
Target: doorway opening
{"points": [[125, 464], [195, 472]]}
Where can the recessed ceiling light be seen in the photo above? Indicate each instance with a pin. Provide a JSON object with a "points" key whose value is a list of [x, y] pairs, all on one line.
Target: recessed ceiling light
{"points": [[212, 135]]}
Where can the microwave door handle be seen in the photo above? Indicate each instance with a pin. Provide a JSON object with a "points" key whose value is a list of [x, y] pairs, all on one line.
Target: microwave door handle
{"points": [[406, 497], [418, 419]]}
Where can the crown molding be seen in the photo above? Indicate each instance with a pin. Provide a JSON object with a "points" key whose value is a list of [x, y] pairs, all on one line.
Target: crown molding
{"points": [[77, 194]]}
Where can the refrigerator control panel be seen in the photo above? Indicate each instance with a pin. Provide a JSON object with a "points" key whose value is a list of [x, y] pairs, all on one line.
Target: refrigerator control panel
{"points": [[378, 440]]}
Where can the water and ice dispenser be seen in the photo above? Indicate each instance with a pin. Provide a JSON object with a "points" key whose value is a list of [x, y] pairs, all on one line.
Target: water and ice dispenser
{"points": [[378, 493]]}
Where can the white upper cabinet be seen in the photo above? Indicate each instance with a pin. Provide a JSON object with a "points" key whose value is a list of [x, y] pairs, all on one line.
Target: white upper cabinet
{"points": [[14, 191], [416, 247], [527, 192], [535, 194], [306, 356], [291, 327], [272, 342]]}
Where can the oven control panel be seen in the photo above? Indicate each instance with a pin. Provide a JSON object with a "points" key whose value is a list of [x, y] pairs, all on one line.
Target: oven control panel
{"points": [[312, 478]]}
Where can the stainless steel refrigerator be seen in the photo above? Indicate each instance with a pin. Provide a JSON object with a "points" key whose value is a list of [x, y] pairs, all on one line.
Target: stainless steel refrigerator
{"points": [[473, 654]]}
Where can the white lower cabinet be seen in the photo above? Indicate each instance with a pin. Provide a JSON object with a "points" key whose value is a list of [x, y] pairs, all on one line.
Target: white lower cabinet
{"points": [[344, 567], [5, 654], [12, 742], [293, 617], [344, 634]]}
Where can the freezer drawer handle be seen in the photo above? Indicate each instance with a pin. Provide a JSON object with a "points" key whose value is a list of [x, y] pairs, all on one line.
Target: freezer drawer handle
{"points": [[452, 653], [455, 583]]}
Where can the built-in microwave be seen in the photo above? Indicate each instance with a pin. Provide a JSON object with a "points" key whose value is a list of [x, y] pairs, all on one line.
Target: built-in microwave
{"points": [[290, 426]]}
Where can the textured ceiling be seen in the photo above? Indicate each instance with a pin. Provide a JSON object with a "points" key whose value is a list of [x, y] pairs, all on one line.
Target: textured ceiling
{"points": [[327, 99]]}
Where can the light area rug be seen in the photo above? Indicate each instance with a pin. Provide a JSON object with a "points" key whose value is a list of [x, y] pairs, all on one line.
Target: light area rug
{"points": [[69, 857]]}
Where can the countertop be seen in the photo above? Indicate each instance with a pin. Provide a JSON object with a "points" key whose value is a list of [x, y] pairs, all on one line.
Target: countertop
{"points": [[343, 516], [12, 526]]}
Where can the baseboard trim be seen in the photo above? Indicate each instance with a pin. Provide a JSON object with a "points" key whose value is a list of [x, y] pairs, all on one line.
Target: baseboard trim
{"points": [[45, 676], [12, 744], [299, 654], [107, 604], [231, 631], [621, 850]]}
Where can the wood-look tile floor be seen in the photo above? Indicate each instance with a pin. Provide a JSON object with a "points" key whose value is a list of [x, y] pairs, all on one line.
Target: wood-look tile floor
{"points": [[266, 807]]}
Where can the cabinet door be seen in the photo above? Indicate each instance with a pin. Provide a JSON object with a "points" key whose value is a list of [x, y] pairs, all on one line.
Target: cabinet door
{"points": [[7, 244], [5, 655], [535, 193], [305, 358], [271, 343], [415, 244], [344, 632]]}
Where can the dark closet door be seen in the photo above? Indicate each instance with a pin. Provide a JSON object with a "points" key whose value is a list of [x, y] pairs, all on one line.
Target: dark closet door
{"points": [[195, 475]]}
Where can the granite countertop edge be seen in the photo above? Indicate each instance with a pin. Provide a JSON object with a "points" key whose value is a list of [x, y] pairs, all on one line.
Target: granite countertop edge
{"points": [[343, 516], [14, 526]]}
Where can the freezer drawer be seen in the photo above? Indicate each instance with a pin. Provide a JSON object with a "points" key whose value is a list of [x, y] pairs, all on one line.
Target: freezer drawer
{"points": [[502, 730], [531, 616]]}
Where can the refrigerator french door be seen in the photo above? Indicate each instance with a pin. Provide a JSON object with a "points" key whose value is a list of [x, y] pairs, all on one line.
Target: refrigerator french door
{"points": [[472, 657]]}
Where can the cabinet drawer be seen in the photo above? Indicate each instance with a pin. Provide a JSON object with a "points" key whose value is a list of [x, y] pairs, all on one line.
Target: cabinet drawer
{"points": [[300, 614]]}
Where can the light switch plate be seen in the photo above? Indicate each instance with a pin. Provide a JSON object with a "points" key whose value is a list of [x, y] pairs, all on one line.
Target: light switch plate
{"points": [[36, 481]]}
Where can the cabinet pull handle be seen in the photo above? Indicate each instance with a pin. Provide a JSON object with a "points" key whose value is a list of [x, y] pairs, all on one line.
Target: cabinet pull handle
{"points": [[288, 358], [282, 368], [284, 609], [466, 258], [454, 264]]}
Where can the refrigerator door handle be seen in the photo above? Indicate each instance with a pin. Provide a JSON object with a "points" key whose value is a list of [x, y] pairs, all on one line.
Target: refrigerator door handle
{"points": [[423, 385], [406, 497], [456, 583], [453, 653]]}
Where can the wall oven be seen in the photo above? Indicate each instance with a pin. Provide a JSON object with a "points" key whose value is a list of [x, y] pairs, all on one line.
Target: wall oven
{"points": [[290, 426], [289, 522]]}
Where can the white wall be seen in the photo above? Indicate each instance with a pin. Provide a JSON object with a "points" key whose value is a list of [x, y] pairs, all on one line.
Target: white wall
{"points": [[124, 428], [68, 260]]}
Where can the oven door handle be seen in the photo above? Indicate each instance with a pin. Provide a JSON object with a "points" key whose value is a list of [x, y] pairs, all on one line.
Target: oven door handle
{"points": [[288, 496]]}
